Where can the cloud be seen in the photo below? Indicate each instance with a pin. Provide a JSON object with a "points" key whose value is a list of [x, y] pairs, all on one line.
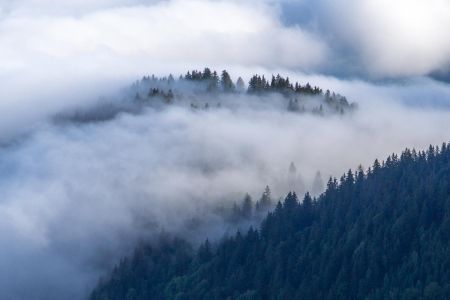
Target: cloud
{"points": [[81, 45], [401, 37], [80, 49], [384, 38], [75, 198]]}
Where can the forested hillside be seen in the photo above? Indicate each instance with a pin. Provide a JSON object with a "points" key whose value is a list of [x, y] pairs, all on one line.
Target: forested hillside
{"points": [[207, 90], [195, 84], [380, 234]]}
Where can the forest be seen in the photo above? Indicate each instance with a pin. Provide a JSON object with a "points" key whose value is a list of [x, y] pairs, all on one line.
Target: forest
{"points": [[207, 82], [207, 90], [381, 233], [224, 149]]}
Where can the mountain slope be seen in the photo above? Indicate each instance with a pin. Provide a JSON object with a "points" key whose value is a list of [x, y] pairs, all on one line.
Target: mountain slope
{"points": [[203, 90], [383, 234]]}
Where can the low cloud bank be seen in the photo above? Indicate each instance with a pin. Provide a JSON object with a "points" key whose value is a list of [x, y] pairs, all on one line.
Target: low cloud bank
{"points": [[76, 197]]}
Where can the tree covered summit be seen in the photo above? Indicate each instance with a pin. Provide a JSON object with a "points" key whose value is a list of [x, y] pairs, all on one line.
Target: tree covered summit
{"points": [[207, 89], [195, 84]]}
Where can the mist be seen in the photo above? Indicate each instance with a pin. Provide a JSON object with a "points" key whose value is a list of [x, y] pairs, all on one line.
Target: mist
{"points": [[61, 54], [75, 197]]}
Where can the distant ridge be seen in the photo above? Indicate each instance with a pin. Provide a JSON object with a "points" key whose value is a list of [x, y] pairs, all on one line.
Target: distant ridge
{"points": [[206, 90]]}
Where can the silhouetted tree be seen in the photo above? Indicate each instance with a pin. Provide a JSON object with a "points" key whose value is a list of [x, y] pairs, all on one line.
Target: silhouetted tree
{"points": [[265, 202], [318, 185], [240, 85], [226, 82]]}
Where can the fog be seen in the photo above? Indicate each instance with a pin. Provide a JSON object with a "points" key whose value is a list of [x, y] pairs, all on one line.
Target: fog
{"points": [[79, 46], [76, 48], [377, 39], [76, 197]]}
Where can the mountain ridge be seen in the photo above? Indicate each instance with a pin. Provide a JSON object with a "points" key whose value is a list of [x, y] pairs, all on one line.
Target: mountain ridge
{"points": [[380, 234]]}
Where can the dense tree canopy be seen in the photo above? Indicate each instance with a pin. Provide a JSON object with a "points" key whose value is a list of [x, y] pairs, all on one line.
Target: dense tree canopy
{"points": [[381, 234]]}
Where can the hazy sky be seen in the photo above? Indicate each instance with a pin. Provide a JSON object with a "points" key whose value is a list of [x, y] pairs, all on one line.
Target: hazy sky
{"points": [[383, 38], [70, 47], [73, 199]]}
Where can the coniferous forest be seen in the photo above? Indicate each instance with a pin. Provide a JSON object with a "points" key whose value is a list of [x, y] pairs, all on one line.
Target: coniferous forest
{"points": [[224, 150], [203, 90], [383, 233]]}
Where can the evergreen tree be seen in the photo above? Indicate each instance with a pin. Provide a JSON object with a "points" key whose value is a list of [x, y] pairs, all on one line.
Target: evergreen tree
{"points": [[240, 85], [318, 186], [380, 235], [226, 82], [247, 207], [265, 202]]}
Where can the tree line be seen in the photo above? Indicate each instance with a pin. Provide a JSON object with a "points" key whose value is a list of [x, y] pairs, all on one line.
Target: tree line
{"points": [[383, 233], [204, 90], [208, 81]]}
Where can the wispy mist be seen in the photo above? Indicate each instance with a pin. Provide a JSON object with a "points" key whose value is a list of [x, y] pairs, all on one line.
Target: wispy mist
{"points": [[76, 197]]}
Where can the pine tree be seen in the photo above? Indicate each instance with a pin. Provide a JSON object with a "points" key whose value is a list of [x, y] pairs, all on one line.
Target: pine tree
{"points": [[318, 185], [240, 85], [265, 202], [383, 235], [226, 82], [247, 207]]}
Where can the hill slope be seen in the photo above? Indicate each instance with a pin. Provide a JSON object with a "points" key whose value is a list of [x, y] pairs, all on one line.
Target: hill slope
{"points": [[383, 234], [203, 90]]}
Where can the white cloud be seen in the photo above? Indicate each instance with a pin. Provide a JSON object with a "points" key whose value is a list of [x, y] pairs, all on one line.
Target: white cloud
{"points": [[76, 198], [385, 38], [70, 195], [49, 48], [402, 37]]}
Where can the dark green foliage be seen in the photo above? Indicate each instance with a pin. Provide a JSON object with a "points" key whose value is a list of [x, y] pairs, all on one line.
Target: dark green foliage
{"points": [[202, 90], [283, 85], [380, 235], [258, 84], [207, 77], [146, 274]]}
